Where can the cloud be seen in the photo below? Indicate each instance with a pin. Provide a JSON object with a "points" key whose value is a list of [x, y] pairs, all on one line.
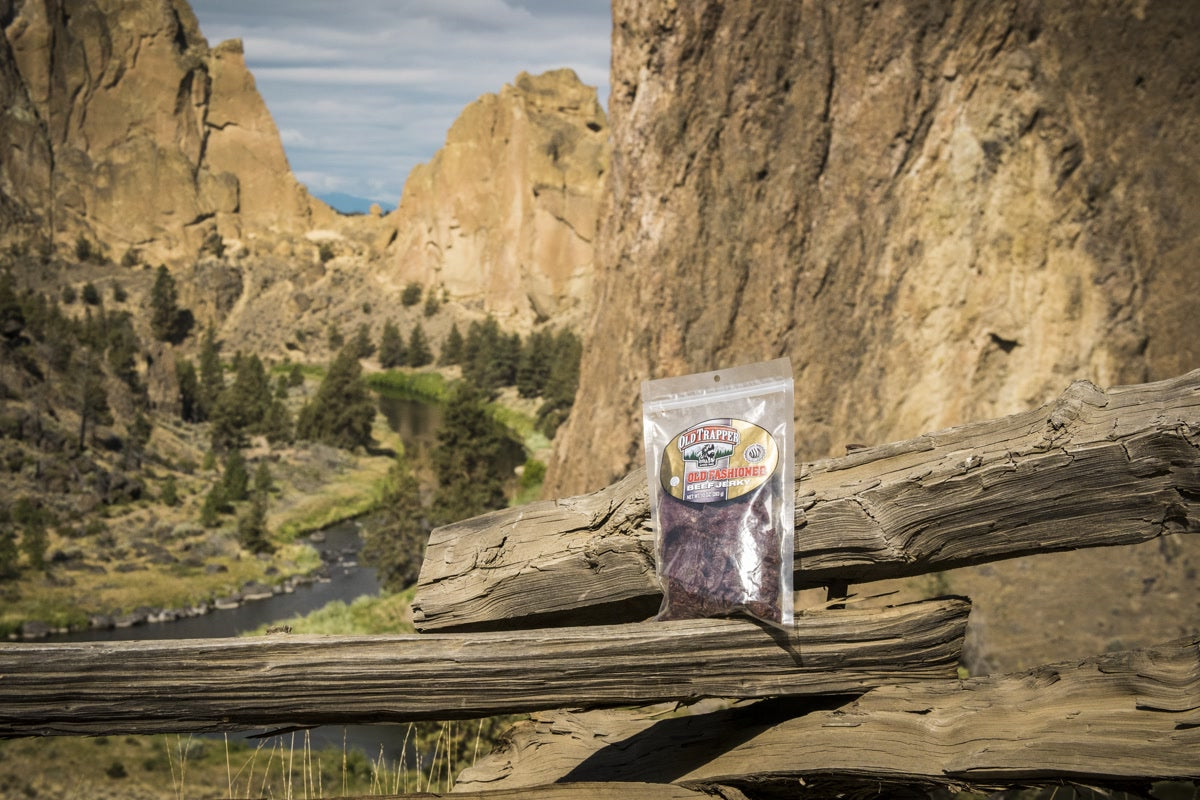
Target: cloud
{"points": [[363, 90]]}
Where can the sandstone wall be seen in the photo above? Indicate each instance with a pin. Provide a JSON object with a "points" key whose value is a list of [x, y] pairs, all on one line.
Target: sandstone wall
{"points": [[503, 218], [155, 140], [940, 211]]}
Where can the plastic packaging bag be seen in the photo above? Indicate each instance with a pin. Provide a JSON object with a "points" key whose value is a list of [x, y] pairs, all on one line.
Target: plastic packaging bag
{"points": [[719, 460]]}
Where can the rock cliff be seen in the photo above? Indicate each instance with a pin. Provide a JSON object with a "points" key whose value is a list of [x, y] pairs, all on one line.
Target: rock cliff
{"points": [[940, 211], [133, 133], [504, 216]]}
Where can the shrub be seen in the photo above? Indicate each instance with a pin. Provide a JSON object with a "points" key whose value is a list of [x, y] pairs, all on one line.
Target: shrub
{"points": [[91, 295], [325, 252], [411, 295]]}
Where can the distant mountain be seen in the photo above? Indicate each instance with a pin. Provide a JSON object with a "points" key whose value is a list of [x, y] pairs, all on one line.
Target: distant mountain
{"points": [[352, 204]]}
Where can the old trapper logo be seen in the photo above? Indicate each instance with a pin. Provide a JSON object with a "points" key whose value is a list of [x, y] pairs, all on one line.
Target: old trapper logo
{"points": [[705, 444]]}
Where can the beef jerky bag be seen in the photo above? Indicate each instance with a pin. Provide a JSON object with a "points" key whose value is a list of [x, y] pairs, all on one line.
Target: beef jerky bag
{"points": [[720, 463]]}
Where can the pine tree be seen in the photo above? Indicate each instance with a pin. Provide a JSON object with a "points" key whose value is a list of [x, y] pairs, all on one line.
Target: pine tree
{"points": [[242, 406], [334, 337], [10, 565], [212, 376], [391, 347], [91, 396], [189, 390], [296, 376], [395, 544], [164, 306], [235, 481], [452, 348], [263, 482], [468, 458], [363, 345], [342, 412], [562, 383], [533, 367], [419, 353], [214, 506], [252, 526]]}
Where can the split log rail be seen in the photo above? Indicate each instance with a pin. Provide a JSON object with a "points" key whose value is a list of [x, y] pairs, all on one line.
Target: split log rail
{"points": [[543, 608]]}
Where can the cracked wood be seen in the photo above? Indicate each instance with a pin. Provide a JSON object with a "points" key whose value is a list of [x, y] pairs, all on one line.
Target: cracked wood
{"points": [[238, 684], [1093, 468], [1112, 719]]}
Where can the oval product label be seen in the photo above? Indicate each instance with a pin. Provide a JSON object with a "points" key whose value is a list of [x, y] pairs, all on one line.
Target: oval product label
{"points": [[718, 459]]}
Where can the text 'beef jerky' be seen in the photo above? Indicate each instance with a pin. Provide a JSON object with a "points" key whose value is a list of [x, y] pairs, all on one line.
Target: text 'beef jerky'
{"points": [[720, 464]]}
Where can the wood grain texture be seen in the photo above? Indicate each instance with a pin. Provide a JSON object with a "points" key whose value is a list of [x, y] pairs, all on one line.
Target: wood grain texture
{"points": [[1114, 719], [1093, 468], [237, 684]]}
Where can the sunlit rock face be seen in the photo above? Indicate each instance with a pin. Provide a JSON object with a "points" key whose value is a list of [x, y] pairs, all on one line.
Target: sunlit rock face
{"points": [[131, 132], [940, 212], [503, 218]]}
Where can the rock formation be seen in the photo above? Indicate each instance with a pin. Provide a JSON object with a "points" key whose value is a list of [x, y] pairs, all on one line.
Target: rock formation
{"points": [[940, 211], [503, 218], [133, 133]]}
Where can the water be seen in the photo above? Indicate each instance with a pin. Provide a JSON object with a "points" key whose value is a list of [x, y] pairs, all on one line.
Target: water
{"points": [[348, 580], [417, 423]]}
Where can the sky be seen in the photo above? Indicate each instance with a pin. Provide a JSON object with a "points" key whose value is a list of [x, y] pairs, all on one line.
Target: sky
{"points": [[363, 90]]}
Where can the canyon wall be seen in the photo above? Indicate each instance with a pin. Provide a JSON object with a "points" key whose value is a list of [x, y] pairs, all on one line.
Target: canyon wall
{"points": [[940, 211]]}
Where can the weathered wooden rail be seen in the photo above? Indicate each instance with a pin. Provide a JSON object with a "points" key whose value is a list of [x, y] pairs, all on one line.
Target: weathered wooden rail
{"points": [[849, 697], [1093, 468], [238, 684], [1114, 718]]}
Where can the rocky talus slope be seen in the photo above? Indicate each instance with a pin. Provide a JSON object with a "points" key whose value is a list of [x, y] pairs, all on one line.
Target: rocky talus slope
{"points": [[940, 211]]}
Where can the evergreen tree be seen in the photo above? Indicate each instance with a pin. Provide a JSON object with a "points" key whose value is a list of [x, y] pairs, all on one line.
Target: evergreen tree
{"points": [[212, 376], [138, 436], [242, 406], [165, 316], [10, 565], [277, 425], [235, 480], [452, 348], [432, 304], [123, 350], [333, 336], [34, 537], [395, 544], [91, 396], [342, 412], [468, 458], [419, 353], [252, 526], [363, 345], [296, 376], [562, 383], [90, 294], [485, 361], [391, 347], [214, 506], [533, 367], [189, 390], [263, 482]]}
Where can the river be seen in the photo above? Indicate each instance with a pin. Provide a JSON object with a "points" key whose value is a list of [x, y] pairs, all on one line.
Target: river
{"points": [[416, 422]]}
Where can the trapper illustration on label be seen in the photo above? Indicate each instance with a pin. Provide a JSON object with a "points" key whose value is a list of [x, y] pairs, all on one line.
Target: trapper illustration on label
{"points": [[718, 459]]}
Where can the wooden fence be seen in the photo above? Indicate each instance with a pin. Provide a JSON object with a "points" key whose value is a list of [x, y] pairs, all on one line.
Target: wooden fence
{"points": [[851, 699]]}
